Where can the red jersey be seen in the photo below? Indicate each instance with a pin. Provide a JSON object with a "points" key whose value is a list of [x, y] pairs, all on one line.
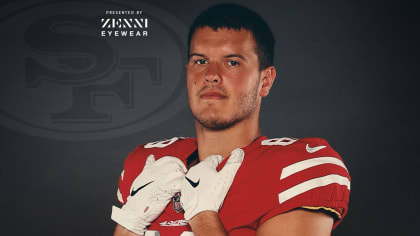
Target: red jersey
{"points": [[276, 176]]}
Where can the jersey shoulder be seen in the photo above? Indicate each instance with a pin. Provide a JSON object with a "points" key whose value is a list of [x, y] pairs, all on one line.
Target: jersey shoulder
{"points": [[179, 147], [291, 155], [296, 149]]}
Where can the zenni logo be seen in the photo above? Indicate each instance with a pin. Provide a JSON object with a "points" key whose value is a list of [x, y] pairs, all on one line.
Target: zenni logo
{"points": [[128, 24], [132, 23]]}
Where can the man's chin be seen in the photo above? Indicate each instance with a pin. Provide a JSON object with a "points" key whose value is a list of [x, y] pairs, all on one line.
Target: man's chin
{"points": [[216, 123]]}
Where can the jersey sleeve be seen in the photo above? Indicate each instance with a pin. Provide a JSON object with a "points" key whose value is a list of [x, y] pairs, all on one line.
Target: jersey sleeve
{"points": [[309, 174], [133, 166]]}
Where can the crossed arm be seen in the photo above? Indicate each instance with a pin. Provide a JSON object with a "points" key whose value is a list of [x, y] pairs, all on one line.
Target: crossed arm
{"points": [[201, 202], [293, 223]]}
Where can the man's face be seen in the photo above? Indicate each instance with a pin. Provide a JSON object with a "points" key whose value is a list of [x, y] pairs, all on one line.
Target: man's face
{"points": [[223, 79]]}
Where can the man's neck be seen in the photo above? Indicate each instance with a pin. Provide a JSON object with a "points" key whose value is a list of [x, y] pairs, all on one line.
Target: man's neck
{"points": [[223, 142]]}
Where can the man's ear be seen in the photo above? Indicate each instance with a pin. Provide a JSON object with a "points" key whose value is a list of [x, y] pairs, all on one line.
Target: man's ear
{"points": [[268, 76]]}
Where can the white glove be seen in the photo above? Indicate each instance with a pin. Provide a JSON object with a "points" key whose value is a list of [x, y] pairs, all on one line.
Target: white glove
{"points": [[150, 192], [204, 189]]}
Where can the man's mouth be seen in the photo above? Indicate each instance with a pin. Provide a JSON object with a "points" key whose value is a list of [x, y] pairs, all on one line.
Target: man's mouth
{"points": [[212, 95]]}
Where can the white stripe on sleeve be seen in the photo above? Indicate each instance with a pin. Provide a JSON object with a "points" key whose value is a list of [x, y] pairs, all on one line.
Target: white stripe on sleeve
{"points": [[305, 164], [311, 184]]}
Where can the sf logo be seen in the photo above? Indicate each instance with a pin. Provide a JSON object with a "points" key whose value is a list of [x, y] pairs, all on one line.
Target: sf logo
{"points": [[98, 74]]}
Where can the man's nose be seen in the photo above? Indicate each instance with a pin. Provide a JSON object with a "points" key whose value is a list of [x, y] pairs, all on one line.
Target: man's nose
{"points": [[213, 74]]}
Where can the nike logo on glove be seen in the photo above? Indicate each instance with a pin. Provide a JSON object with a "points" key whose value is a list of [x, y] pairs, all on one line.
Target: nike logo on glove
{"points": [[314, 149], [135, 191], [194, 184]]}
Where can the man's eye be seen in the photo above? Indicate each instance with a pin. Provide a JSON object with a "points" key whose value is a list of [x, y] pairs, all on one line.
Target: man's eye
{"points": [[200, 61], [233, 63]]}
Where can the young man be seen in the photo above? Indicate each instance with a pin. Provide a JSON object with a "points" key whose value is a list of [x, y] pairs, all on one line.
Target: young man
{"points": [[230, 180]]}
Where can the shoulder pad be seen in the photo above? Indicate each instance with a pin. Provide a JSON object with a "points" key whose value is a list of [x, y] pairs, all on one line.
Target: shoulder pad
{"points": [[290, 150], [178, 147]]}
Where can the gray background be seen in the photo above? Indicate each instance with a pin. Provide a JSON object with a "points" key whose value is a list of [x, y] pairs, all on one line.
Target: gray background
{"points": [[345, 72]]}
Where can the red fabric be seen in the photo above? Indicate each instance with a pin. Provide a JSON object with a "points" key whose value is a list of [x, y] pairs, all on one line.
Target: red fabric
{"points": [[254, 195]]}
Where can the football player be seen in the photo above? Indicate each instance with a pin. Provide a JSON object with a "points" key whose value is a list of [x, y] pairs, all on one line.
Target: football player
{"points": [[231, 180]]}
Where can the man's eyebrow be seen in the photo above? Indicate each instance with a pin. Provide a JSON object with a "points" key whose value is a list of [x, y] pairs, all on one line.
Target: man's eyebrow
{"points": [[196, 54], [227, 56], [236, 55]]}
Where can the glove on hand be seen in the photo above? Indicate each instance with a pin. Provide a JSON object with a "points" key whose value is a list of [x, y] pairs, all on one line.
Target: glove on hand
{"points": [[203, 188], [150, 192]]}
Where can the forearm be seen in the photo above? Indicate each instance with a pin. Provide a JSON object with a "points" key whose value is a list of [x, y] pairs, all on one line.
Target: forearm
{"points": [[207, 223], [121, 231]]}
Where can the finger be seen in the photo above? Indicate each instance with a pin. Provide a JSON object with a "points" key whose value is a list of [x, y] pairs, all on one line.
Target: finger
{"points": [[174, 175], [168, 160], [234, 162], [181, 165], [150, 160], [175, 186], [237, 156], [212, 161]]}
